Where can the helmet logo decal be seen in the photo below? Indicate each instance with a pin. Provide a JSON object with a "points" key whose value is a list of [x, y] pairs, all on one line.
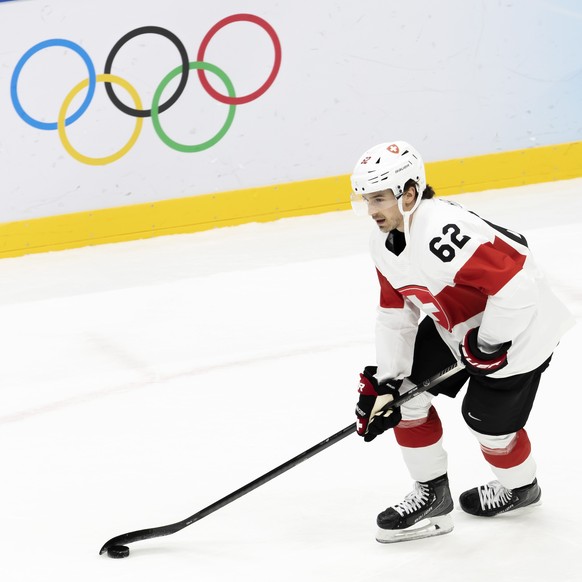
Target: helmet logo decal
{"points": [[393, 148]]}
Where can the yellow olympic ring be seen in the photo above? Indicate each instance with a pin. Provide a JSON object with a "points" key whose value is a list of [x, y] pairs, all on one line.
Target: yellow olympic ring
{"points": [[104, 78]]}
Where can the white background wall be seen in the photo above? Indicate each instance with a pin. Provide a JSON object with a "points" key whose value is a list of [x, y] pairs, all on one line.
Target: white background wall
{"points": [[456, 78]]}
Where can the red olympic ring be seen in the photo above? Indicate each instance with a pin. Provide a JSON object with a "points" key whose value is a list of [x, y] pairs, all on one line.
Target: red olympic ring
{"points": [[276, 65]]}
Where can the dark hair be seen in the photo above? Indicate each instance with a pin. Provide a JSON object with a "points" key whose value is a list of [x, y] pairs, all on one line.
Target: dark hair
{"points": [[428, 191]]}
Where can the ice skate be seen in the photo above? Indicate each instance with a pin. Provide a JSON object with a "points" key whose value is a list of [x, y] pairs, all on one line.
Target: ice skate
{"points": [[425, 512], [492, 499]]}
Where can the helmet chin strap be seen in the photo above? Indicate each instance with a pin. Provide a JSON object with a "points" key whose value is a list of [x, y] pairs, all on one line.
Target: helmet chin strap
{"points": [[406, 215]]}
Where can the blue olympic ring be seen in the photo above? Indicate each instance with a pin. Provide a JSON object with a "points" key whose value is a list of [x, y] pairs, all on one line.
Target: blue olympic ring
{"points": [[24, 59]]}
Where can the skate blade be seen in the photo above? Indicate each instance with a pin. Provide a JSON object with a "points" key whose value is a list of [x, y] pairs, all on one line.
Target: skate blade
{"points": [[427, 528]]}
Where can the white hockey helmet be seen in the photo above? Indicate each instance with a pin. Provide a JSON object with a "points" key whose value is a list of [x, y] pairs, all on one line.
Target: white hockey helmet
{"points": [[387, 166]]}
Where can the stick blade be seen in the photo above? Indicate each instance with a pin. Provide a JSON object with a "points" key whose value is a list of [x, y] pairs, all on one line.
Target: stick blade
{"points": [[110, 543], [142, 534]]}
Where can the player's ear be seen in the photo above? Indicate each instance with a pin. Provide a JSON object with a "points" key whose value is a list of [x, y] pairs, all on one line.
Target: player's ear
{"points": [[409, 196]]}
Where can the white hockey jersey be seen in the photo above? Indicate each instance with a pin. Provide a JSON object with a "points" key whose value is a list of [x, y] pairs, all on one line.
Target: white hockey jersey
{"points": [[463, 272]]}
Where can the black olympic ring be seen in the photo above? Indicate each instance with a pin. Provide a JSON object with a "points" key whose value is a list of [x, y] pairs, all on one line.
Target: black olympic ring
{"points": [[183, 79]]}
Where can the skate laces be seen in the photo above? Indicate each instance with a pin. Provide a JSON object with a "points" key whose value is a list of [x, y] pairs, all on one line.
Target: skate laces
{"points": [[414, 500], [494, 495]]}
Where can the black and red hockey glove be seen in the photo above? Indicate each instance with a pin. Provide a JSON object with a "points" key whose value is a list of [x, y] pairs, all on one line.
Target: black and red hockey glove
{"points": [[372, 421], [480, 363]]}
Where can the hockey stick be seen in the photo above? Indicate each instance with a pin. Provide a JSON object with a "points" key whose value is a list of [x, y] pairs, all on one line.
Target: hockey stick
{"points": [[165, 530]]}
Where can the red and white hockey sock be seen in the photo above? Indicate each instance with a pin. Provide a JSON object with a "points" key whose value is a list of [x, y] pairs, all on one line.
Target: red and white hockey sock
{"points": [[421, 443], [510, 457]]}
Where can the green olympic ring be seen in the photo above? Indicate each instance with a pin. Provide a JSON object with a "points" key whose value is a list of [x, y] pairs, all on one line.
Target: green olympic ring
{"points": [[156, 106]]}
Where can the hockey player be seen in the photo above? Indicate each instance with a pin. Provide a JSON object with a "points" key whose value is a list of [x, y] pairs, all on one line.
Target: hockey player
{"points": [[484, 304]]}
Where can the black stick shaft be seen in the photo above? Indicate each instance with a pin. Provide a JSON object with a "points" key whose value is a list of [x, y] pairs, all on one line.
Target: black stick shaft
{"points": [[145, 534]]}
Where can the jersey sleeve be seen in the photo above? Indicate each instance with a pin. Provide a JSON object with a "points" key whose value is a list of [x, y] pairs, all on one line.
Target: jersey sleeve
{"points": [[396, 327], [497, 270]]}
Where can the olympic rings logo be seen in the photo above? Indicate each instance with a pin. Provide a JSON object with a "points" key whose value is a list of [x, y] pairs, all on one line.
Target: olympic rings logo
{"points": [[65, 119]]}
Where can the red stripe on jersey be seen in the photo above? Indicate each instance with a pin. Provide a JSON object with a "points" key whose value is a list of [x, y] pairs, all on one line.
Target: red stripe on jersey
{"points": [[491, 267], [461, 303], [513, 455], [423, 435], [389, 297], [451, 306]]}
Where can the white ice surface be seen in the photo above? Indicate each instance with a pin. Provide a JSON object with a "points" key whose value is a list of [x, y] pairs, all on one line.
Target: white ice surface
{"points": [[140, 382]]}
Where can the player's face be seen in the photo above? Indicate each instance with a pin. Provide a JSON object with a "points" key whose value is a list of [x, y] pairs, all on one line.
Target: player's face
{"points": [[383, 208]]}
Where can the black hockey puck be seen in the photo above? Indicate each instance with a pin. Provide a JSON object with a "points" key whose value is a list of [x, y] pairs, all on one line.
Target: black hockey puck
{"points": [[118, 551]]}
